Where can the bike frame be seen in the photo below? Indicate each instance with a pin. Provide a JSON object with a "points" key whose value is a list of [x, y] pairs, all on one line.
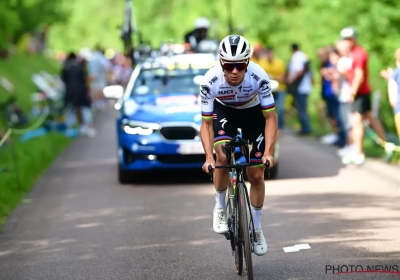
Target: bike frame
{"points": [[236, 188], [237, 169]]}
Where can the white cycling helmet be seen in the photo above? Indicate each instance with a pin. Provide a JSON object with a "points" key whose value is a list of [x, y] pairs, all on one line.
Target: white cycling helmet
{"points": [[201, 23], [234, 47]]}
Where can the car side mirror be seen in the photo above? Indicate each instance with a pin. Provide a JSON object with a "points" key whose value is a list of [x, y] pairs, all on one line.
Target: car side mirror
{"points": [[113, 92]]}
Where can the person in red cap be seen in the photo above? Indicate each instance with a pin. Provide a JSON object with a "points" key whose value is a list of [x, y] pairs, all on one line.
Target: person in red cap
{"points": [[360, 98]]}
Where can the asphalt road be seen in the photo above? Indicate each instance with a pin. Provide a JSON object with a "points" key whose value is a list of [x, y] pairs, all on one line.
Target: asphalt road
{"points": [[81, 224]]}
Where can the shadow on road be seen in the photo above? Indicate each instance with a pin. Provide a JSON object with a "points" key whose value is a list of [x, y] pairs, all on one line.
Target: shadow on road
{"points": [[336, 222]]}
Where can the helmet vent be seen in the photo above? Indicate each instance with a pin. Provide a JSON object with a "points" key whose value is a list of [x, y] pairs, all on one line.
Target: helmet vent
{"points": [[224, 48], [234, 49], [244, 47]]}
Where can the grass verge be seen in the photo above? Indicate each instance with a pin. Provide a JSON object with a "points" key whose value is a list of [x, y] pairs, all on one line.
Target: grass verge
{"points": [[22, 163]]}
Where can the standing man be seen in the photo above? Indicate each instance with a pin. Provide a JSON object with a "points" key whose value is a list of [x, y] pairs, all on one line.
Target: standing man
{"points": [[77, 95], [276, 69], [300, 85], [360, 98]]}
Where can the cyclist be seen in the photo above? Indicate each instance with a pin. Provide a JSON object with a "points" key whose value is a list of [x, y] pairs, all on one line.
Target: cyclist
{"points": [[237, 93]]}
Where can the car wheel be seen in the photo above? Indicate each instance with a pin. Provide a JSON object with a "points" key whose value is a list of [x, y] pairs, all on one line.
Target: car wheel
{"points": [[124, 177]]}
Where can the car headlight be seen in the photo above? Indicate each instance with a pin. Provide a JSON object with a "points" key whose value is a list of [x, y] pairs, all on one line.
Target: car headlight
{"points": [[139, 128]]}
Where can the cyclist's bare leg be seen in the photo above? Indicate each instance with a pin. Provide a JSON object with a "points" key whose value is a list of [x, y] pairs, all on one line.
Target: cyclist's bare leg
{"points": [[257, 192], [221, 175], [221, 180]]}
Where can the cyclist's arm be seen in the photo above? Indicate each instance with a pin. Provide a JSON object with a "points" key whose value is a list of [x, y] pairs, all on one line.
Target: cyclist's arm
{"points": [[268, 107], [271, 131], [206, 129]]}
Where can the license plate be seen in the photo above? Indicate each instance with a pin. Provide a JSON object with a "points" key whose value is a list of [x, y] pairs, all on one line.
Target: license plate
{"points": [[190, 148]]}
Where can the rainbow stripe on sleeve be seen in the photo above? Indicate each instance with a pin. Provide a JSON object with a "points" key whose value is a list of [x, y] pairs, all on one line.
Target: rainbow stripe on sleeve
{"points": [[207, 115], [268, 108]]}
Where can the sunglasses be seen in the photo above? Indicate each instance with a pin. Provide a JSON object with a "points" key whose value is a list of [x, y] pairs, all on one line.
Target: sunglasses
{"points": [[229, 66]]}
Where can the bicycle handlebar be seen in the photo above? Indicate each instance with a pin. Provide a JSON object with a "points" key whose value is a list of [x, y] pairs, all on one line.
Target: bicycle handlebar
{"points": [[241, 165]]}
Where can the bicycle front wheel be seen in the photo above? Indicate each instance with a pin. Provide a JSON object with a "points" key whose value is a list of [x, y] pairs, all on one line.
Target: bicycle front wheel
{"points": [[244, 224], [235, 229]]}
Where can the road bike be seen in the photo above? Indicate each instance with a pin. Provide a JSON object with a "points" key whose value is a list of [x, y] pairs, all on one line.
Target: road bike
{"points": [[241, 232]]}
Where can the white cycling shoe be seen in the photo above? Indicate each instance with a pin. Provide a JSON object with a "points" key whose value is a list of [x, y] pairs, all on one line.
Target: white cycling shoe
{"points": [[260, 246], [220, 221]]}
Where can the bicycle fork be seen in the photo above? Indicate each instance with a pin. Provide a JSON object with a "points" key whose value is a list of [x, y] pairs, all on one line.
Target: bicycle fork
{"points": [[253, 232], [233, 218]]}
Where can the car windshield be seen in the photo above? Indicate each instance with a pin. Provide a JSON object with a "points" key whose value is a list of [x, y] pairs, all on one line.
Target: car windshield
{"points": [[164, 81]]}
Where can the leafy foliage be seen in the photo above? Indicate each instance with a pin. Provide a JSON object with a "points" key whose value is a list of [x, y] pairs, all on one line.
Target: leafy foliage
{"points": [[311, 23]]}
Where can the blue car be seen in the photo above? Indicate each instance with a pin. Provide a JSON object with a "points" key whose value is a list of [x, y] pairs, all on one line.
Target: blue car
{"points": [[159, 115]]}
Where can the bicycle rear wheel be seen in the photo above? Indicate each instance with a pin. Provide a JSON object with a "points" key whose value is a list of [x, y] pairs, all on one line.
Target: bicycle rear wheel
{"points": [[244, 225]]}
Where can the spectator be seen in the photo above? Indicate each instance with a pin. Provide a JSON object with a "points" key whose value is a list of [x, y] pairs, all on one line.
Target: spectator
{"points": [[276, 69], [97, 69], [300, 85], [343, 66], [258, 53], [77, 95], [360, 98], [326, 92], [393, 77], [334, 101], [122, 70]]}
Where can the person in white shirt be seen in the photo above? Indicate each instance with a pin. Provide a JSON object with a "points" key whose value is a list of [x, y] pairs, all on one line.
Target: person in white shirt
{"points": [[343, 66], [300, 85]]}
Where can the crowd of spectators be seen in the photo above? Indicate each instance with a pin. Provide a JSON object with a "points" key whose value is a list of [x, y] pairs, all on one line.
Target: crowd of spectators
{"points": [[85, 75], [345, 91]]}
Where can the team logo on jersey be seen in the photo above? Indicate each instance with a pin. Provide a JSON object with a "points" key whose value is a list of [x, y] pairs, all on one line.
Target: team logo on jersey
{"points": [[223, 92], [240, 88], [255, 77], [221, 132], [213, 80], [265, 86], [258, 154], [205, 91]]}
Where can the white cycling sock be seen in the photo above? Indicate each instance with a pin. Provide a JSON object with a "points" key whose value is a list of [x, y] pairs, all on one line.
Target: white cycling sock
{"points": [[220, 199], [256, 212]]}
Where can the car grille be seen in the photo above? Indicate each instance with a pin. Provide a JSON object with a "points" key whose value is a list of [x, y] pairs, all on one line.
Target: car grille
{"points": [[173, 159], [178, 132], [130, 158]]}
